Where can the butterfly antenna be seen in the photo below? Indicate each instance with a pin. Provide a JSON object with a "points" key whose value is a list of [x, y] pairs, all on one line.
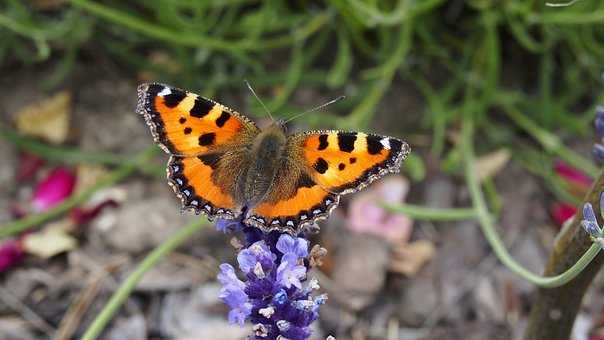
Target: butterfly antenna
{"points": [[258, 98], [316, 108]]}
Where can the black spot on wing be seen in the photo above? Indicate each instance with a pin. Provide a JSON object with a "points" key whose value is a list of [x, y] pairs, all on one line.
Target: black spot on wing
{"points": [[321, 165], [207, 139], [210, 159], [201, 107], [373, 145], [341, 166], [352, 160], [323, 144], [304, 181], [187, 130], [173, 99], [182, 120], [224, 116], [395, 145], [346, 141], [154, 89]]}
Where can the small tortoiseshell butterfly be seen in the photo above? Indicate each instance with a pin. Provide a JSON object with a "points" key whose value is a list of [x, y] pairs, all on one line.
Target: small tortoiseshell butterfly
{"points": [[224, 166]]}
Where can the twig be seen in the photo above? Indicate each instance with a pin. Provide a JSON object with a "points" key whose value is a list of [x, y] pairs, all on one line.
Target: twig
{"points": [[488, 227], [7, 297], [77, 309]]}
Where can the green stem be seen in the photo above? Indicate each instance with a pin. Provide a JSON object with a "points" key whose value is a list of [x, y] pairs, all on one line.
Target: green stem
{"points": [[73, 155], [37, 220], [488, 227], [118, 298], [549, 141], [195, 39], [432, 214]]}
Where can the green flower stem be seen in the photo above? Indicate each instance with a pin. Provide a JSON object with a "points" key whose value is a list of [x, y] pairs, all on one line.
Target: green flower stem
{"points": [[549, 141], [31, 221], [122, 293], [38, 36], [195, 39], [73, 155], [488, 227], [363, 113], [432, 214]]}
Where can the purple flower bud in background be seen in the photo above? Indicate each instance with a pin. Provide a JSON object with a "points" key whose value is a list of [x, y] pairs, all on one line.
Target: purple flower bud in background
{"points": [[598, 148], [275, 295]]}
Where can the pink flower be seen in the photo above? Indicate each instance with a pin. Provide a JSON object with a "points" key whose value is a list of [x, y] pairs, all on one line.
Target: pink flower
{"points": [[53, 189], [11, 253], [571, 174], [562, 212], [366, 215], [84, 215]]}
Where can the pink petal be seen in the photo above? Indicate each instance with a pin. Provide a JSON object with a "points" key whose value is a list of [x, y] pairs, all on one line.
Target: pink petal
{"points": [[571, 174], [53, 189], [10, 254], [366, 215], [29, 164], [562, 212], [83, 215]]}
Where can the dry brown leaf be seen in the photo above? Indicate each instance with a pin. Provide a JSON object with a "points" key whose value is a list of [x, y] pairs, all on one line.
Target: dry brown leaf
{"points": [[489, 165], [52, 240], [409, 258], [88, 175], [47, 119]]}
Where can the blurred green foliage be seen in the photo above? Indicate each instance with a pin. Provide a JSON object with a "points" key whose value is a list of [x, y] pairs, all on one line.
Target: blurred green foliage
{"points": [[479, 57]]}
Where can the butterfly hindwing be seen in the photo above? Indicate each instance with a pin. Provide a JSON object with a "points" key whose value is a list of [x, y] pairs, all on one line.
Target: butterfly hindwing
{"points": [[345, 162], [295, 199], [185, 124]]}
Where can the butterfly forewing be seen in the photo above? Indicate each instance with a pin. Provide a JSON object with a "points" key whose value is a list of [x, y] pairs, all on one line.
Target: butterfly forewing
{"points": [[345, 162], [199, 134]]}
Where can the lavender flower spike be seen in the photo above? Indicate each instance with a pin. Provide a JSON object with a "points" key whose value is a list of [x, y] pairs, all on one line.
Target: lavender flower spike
{"points": [[275, 295], [598, 148], [590, 223]]}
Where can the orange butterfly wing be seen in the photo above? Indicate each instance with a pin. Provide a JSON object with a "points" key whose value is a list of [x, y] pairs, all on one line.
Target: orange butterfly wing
{"points": [[345, 162], [186, 124], [295, 202], [195, 131], [324, 165]]}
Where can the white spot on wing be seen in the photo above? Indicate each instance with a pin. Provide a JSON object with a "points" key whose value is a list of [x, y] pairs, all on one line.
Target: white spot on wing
{"points": [[385, 142], [166, 91]]}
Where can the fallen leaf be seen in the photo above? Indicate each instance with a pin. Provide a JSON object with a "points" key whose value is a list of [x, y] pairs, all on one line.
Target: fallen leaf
{"points": [[47, 119], [88, 176], [409, 258], [489, 165], [52, 240]]}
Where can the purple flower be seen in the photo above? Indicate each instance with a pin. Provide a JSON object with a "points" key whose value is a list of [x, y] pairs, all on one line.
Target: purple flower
{"points": [[289, 274], [295, 245], [228, 226], [598, 148], [232, 293], [257, 253], [590, 223], [275, 295]]}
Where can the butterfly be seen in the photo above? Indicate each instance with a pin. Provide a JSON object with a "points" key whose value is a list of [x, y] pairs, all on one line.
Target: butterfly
{"points": [[222, 165]]}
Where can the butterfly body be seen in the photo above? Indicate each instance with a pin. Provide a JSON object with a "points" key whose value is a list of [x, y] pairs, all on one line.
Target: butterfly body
{"points": [[266, 155], [224, 166]]}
